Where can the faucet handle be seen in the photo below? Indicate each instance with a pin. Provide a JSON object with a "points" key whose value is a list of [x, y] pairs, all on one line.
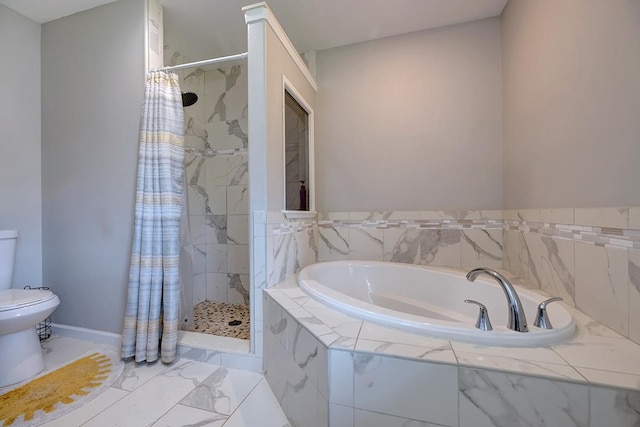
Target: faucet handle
{"points": [[542, 317], [483, 321]]}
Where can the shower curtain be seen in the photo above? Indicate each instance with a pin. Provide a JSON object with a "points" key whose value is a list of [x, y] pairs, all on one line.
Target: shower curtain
{"points": [[153, 301]]}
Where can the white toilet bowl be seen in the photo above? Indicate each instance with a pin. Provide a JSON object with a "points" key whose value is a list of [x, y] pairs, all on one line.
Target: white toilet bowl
{"points": [[20, 352], [20, 311]]}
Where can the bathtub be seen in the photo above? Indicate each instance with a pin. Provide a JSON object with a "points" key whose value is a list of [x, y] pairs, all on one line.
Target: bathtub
{"points": [[430, 301]]}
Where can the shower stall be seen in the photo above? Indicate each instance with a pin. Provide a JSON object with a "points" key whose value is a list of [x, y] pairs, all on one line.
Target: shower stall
{"points": [[216, 179]]}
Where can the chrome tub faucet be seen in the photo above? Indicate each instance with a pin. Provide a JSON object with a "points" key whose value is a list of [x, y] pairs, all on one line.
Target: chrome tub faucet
{"points": [[517, 319]]}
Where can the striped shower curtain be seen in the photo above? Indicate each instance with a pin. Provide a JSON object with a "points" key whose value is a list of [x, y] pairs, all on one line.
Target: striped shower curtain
{"points": [[153, 301]]}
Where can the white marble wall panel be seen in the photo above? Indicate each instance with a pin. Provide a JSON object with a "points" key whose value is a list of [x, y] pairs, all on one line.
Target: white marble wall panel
{"points": [[602, 217], [215, 85], [480, 214], [333, 243], [481, 248], [196, 202], [289, 251], [297, 394], [238, 229], [270, 277], [276, 321], [634, 295], [366, 244], [199, 259], [216, 229], [238, 259], [341, 377], [218, 121], [237, 200], [238, 291], [193, 80], [217, 131], [425, 247], [551, 266], [439, 215], [324, 216], [225, 171], [285, 258], [197, 229], [226, 100], [495, 399], [216, 258], [273, 365], [557, 216], [402, 245], [217, 287], [602, 284], [307, 247], [416, 390], [610, 407], [199, 288], [195, 177], [440, 247], [259, 262], [310, 356], [217, 200], [522, 214], [374, 216], [516, 253]]}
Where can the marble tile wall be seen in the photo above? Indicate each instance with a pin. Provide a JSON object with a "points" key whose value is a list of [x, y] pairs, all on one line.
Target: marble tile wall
{"points": [[290, 246], [217, 180], [588, 256], [445, 238]]}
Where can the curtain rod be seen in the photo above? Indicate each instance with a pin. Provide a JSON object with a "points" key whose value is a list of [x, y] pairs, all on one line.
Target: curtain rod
{"points": [[219, 60]]}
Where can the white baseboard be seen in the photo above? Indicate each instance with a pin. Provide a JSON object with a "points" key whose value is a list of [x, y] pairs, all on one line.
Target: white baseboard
{"points": [[229, 352], [92, 335]]}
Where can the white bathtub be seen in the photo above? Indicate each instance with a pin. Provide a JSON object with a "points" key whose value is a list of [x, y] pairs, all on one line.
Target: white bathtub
{"points": [[430, 301]]}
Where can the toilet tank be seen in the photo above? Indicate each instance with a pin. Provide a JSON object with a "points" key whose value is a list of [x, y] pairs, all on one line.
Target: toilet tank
{"points": [[8, 239]]}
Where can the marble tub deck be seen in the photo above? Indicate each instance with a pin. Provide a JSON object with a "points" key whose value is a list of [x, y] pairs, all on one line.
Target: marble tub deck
{"points": [[596, 373]]}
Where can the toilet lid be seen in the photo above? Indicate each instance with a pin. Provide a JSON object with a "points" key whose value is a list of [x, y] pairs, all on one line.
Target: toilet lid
{"points": [[15, 298]]}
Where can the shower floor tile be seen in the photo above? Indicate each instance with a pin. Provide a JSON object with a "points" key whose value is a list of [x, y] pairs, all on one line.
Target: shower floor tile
{"points": [[212, 317]]}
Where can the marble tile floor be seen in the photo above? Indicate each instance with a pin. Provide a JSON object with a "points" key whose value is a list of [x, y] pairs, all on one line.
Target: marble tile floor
{"points": [[185, 393], [212, 317]]}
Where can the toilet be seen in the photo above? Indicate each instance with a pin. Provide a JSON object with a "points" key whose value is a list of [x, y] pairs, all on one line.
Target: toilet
{"points": [[20, 311]]}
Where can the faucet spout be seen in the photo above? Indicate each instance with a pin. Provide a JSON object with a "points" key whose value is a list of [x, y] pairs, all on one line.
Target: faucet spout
{"points": [[517, 319]]}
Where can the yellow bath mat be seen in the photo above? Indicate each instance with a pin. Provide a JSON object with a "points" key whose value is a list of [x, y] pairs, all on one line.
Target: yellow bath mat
{"points": [[58, 392]]}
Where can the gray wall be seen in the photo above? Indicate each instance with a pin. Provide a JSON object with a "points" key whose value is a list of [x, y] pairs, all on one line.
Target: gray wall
{"points": [[20, 178], [571, 103], [411, 122], [92, 89], [279, 64]]}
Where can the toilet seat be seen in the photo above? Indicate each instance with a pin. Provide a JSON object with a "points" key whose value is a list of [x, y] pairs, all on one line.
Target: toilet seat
{"points": [[12, 299]]}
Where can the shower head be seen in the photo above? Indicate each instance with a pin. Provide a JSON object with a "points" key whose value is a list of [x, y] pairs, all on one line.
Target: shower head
{"points": [[189, 98]]}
